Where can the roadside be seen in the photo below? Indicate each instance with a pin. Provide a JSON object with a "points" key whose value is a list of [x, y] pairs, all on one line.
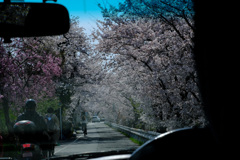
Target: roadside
{"points": [[100, 138]]}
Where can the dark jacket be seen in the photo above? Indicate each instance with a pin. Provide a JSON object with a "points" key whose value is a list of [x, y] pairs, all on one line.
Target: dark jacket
{"points": [[36, 118], [41, 128]]}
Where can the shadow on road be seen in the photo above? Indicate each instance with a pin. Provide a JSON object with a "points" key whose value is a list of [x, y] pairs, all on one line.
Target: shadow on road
{"points": [[100, 138]]}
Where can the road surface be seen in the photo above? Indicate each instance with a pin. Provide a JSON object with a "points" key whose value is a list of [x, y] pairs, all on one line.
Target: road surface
{"points": [[100, 137]]}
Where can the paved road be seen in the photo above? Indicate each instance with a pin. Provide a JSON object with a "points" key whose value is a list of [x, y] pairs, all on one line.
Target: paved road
{"points": [[100, 138]]}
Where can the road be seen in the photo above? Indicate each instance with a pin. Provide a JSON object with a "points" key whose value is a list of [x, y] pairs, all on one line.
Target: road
{"points": [[100, 137]]}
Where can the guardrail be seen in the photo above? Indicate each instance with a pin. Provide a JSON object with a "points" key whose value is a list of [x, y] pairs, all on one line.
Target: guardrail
{"points": [[138, 134]]}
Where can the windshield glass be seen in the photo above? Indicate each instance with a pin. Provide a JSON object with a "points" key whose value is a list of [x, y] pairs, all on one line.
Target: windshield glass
{"points": [[124, 65]]}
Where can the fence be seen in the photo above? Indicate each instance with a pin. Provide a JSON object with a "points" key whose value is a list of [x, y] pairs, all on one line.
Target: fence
{"points": [[138, 134]]}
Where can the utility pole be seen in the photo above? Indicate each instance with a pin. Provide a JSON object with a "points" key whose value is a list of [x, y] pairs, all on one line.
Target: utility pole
{"points": [[60, 116]]}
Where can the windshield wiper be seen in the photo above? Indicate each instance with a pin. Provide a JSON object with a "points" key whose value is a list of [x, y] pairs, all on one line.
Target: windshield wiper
{"points": [[84, 156]]}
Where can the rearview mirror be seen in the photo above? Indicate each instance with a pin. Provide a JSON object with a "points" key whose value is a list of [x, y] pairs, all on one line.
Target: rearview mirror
{"points": [[33, 19]]}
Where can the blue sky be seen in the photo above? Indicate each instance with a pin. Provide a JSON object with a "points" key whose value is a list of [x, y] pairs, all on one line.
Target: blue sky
{"points": [[87, 10]]}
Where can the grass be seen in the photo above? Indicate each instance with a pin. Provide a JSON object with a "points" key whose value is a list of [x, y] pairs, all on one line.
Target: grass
{"points": [[132, 139], [136, 141]]}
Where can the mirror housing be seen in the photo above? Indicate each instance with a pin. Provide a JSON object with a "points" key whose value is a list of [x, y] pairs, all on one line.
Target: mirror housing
{"points": [[33, 19]]}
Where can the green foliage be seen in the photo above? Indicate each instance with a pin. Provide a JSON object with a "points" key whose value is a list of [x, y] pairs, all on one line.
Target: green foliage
{"points": [[136, 106], [3, 127], [132, 139], [43, 105], [64, 92], [136, 141]]}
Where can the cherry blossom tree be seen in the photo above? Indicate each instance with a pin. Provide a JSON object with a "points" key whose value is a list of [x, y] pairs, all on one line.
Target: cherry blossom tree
{"points": [[27, 70], [44, 67], [155, 37], [74, 50]]}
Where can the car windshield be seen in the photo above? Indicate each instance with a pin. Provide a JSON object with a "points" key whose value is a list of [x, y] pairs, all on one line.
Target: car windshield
{"points": [[127, 64]]}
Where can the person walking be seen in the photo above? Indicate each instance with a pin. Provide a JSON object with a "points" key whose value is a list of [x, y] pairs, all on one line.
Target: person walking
{"points": [[84, 123], [53, 128]]}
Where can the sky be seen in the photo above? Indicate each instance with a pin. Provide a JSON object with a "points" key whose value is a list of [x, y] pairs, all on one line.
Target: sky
{"points": [[87, 10]]}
